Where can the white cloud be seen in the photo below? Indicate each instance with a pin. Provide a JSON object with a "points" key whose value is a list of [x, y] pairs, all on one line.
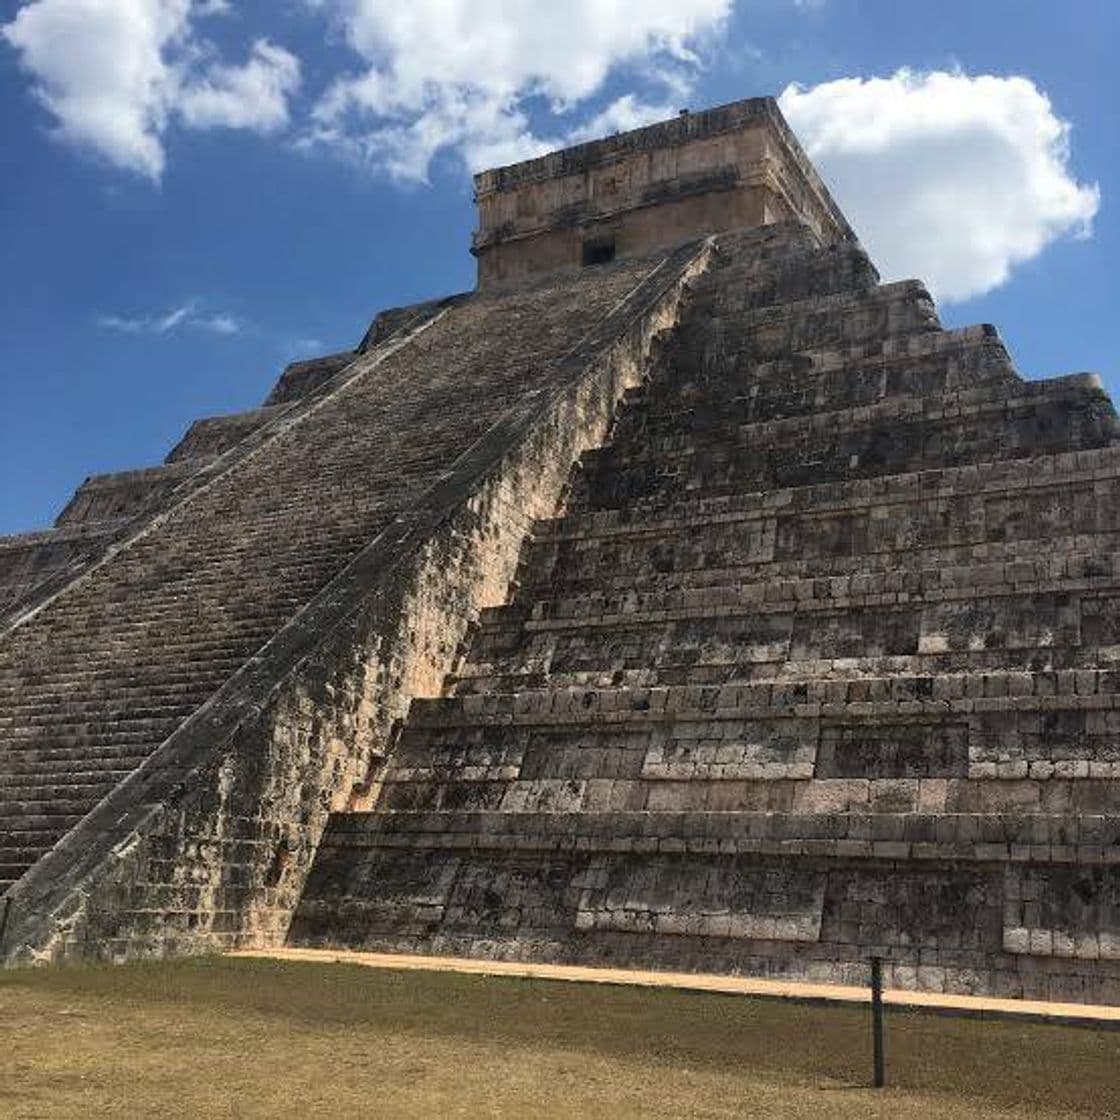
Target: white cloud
{"points": [[506, 137], [621, 115], [947, 177], [99, 67], [458, 74], [253, 96], [216, 324], [184, 316], [115, 73]]}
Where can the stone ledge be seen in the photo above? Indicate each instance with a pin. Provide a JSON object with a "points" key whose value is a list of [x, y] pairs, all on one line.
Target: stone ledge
{"points": [[991, 479], [894, 838]]}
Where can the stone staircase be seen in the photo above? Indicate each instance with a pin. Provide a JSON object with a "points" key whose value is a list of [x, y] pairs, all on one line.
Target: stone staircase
{"points": [[822, 660], [97, 675]]}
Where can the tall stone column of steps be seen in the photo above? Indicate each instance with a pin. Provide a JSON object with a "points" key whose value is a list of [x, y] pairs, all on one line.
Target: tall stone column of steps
{"points": [[177, 720], [819, 662]]}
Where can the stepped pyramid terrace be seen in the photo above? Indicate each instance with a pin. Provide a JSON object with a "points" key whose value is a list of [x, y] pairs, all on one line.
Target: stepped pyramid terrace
{"points": [[681, 598]]}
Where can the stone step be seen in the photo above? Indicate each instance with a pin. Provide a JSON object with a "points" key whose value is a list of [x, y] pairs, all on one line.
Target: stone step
{"points": [[702, 787], [999, 838], [767, 280], [721, 404], [18, 842], [95, 718], [720, 423], [38, 762], [993, 478], [139, 682], [195, 628], [1000, 511], [819, 322], [861, 549], [126, 666], [28, 838], [149, 687], [477, 677], [896, 614], [943, 361], [51, 819], [44, 710], [38, 722], [193, 662], [110, 610], [1081, 558], [857, 443], [117, 728], [691, 406], [650, 603], [897, 354], [1013, 691], [934, 738], [199, 643], [82, 736], [33, 776], [68, 803]]}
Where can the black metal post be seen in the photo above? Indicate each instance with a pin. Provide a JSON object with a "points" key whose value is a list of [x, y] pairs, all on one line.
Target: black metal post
{"points": [[877, 1019], [5, 913]]}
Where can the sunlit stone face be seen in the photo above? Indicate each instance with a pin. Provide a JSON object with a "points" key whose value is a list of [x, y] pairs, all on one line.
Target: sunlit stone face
{"points": [[735, 167]]}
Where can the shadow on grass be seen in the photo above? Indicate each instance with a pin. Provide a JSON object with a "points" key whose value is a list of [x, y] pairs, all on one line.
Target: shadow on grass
{"points": [[990, 1063]]}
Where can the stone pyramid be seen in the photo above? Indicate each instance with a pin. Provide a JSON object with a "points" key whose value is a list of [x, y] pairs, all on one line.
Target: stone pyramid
{"points": [[816, 664], [683, 597]]}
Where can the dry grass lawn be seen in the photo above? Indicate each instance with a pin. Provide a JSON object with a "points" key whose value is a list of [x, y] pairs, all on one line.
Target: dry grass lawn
{"points": [[249, 1038]]}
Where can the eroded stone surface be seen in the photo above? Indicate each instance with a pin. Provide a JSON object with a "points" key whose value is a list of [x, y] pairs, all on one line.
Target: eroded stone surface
{"points": [[817, 664], [178, 721], [732, 167]]}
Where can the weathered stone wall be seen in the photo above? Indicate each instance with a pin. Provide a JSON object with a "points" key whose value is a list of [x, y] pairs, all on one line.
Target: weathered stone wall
{"points": [[716, 902], [818, 664], [206, 843], [301, 378], [125, 494], [734, 167], [215, 435]]}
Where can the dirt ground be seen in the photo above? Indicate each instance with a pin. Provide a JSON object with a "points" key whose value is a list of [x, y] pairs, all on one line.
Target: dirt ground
{"points": [[256, 1038]]}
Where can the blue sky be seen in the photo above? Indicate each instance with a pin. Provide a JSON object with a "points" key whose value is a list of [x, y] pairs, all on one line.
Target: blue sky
{"points": [[194, 194]]}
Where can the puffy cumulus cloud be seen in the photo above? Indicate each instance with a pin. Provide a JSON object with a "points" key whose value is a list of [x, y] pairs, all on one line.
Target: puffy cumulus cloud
{"points": [[115, 73], [99, 67], [253, 96], [951, 178], [457, 74]]}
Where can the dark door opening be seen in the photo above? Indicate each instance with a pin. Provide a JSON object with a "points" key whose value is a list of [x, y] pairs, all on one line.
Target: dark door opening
{"points": [[599, 251]]}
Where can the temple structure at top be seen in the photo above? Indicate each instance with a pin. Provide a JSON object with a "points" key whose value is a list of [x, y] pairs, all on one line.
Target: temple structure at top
{"points": [[733, 167]]}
